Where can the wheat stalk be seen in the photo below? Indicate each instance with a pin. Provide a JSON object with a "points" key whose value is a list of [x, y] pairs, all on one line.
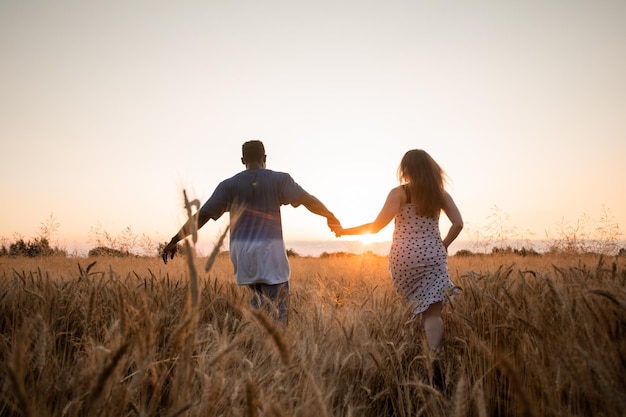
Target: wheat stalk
{"points": [[276, 335]]}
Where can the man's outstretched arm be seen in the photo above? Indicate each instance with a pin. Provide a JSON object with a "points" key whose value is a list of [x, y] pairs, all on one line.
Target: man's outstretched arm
{"points": [[314, 205]]}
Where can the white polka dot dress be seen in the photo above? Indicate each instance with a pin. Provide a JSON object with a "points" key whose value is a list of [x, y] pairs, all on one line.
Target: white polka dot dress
{"points": [[418, 261]]}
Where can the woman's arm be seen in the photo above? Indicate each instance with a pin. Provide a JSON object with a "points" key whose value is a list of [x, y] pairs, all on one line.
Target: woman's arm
{"points": [[394, 201], [453, 213]]}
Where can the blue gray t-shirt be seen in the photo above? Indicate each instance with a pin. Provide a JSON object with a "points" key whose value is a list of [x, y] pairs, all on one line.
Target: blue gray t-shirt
{"points": [[253, 198]]}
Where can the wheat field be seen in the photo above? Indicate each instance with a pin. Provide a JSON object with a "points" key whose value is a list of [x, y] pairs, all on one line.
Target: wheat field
{"points": [[531, 336]]}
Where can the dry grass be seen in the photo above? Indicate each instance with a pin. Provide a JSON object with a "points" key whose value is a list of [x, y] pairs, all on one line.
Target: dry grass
{"points": [[541, 336]]}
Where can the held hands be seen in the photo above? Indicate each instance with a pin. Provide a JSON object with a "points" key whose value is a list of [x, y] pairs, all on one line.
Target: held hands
{"points": [[335, 226]]}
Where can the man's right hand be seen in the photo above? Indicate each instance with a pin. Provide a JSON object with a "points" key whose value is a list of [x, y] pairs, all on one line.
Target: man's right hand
{"points": [[334, 225]]}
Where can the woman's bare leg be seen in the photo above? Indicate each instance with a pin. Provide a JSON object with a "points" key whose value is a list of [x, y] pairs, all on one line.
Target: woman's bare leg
{"points": [[433, 325]]}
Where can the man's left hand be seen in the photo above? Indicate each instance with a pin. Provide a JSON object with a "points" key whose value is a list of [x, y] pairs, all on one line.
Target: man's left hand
{"points": [[169, 250]]}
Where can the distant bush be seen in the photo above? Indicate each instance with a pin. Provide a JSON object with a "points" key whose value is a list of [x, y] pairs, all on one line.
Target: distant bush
{"points": [[514, 251], [32, 249], [337, 255], [292, 253], [463, 253], [526, 252], [104, 251]]}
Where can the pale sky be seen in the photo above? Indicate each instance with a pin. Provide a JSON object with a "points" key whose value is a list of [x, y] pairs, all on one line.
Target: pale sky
{"points": [[109, 109]]}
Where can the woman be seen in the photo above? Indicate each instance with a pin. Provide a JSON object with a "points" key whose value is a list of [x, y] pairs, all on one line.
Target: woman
{"points": [[418, 258]]}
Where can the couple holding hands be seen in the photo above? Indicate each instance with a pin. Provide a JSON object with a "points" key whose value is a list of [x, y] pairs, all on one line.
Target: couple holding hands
{"points": [[418, 259]]}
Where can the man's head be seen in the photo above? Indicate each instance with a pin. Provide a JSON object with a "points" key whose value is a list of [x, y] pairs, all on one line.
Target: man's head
{"points": [[253, 153]]}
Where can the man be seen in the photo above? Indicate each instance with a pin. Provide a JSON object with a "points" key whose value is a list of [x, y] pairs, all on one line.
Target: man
{"points": [[257, 249]]}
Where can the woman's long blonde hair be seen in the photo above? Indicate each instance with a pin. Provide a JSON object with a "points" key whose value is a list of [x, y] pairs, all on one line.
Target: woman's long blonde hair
{"points": [[425, 180]]}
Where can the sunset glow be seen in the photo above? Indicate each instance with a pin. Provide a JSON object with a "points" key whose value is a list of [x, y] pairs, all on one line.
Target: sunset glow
{"points": [[110, 110]]}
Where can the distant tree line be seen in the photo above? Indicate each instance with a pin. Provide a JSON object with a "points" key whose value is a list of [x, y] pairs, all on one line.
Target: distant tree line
{"points": [[602, 237], [40, 247], [496, 250]]}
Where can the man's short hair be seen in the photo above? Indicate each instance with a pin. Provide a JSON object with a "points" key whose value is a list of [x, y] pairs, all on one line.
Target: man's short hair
{"points": [[253, 151]]}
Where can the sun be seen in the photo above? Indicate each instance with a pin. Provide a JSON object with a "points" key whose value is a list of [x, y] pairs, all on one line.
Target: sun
{"points": [[368, 239]]}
